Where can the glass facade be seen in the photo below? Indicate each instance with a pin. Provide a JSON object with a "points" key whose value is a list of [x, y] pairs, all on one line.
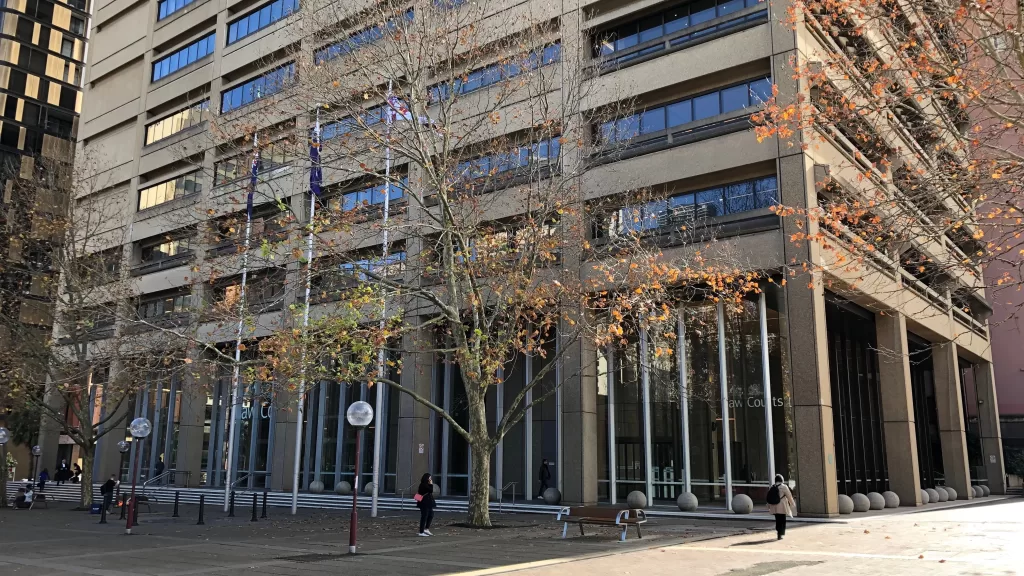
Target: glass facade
{"points": [[185, 57], [254, 434], [703, 408], [926, 413], [972, 422], [260, 18]]}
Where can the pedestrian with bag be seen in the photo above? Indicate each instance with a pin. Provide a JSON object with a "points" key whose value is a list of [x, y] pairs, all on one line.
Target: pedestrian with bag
{"points": [[781, 504], [107, 491], [425, 502]]}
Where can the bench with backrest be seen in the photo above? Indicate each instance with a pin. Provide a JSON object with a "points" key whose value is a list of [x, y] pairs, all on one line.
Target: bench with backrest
{"points": [[602, 516]]}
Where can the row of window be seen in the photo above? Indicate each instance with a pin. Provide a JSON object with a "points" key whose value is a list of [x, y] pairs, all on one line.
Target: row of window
{"points": [[166, 191], [262, 86], [347, 125], [167, 7], [271, 155], [356, 41], [189, 54], [164, 306], [495, 73], [166, 249], [260, 18], [543, 152], [371, 196], [181, 120], [684, 208], [659, 24], [744, 95]]}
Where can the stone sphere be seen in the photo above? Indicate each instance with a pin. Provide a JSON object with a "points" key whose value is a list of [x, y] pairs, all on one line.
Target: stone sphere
{"points": [[552, 496], [316, 487], [977, 491], [925, 496], [492, 493], [343, 488], [845, 504], [368, 490], [892, 499], [860, 502], [952, 494], [876, 500], [742, 504], [941, 491], [636, 499], [986, 490], [687, 502], [437, 490], [933, 495]]}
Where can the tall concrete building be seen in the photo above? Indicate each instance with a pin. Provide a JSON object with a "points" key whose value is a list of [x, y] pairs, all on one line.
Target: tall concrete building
{"points": [[801, 388], [42, 56]]}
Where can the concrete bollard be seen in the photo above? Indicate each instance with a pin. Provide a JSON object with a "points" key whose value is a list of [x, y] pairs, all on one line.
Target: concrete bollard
{"points": [[177, 496], [253, 519], [202, 507]]}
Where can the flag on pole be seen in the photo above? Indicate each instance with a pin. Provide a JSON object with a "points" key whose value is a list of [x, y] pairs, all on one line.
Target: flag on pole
{"points": [[316, 174], [253, 177]]}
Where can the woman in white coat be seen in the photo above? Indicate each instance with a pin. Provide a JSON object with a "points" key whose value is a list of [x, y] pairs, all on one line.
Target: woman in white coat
{"points": [[784, 506]]}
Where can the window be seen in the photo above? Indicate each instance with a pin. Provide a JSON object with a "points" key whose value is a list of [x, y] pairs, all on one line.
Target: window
{"points": [[168, 248], [67, 47], [623, 38], [155, 308], [448, 4], [345, 126], [544, 152], [260, 87], [490, 75], [167, 7], [259, 19], [181, 120], [101, 267], [371, 196], [356, 41], [166, 191], [272, 155], [189, 54], [751, 93], [77, 26]]}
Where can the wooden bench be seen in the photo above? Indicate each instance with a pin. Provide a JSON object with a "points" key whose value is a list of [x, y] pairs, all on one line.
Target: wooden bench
{"points": [[601, 516]]}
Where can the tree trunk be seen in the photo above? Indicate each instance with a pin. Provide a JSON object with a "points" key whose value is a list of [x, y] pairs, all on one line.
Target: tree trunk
{"points": [[480, 451], [88, 454]]}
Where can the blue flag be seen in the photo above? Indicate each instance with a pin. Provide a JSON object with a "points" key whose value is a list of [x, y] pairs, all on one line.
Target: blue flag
{"points": [[316, 174], [252, 180]]}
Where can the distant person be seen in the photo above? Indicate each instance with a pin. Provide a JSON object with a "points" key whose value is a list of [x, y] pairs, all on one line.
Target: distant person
{"points": [[77, 474], [544, 475], [44, 477], [62, 472], [425, 502], [107, 491], [24, 498], [159, 470], [780, 504]]}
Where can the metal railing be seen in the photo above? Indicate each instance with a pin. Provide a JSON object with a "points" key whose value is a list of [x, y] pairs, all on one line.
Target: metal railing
{"points": [[402, 492], [501, 494], [159, 484]]}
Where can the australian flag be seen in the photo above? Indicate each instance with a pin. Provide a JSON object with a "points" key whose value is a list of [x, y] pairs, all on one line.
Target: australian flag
{"points": [[316, 174], [254, 174]]}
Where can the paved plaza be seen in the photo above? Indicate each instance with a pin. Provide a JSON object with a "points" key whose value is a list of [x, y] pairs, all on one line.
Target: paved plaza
{"points": [[984, 538]]}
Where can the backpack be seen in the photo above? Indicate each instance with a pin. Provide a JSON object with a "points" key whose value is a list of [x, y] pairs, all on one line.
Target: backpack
{"points": [[774, 497]]}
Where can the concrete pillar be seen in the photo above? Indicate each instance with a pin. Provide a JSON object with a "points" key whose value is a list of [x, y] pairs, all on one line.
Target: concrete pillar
{"points": [[988, 419], [898, 408], [282, 460], [49, 431], [817, 491], [952, 432], [189, 456], [579, 422], [413, 443]]}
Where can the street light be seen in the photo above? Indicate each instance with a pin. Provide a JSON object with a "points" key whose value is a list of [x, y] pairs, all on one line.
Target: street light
{"points": [[139, 428], [359, 416], [3, 466], [36, 451]]}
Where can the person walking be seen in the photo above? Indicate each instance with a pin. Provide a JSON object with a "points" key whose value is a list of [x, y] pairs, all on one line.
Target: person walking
{"points": [[425, 502], [62, 472], [159, 471], [107, 491], [544, 475], [781, 504], [44, 477]]}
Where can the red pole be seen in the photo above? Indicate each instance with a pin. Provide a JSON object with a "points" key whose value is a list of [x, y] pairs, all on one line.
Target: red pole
{"points": [[355, 497], [131, 505]]}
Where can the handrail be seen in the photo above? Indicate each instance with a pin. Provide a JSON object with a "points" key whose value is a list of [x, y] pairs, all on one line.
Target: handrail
{"points": [[167, 473], [237, 480], [402, 492], [501, 494]]}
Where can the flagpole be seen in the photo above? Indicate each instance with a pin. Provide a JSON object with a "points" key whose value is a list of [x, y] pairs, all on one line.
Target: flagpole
{"points": [[383, 309], [305, 325], [236, 384]]}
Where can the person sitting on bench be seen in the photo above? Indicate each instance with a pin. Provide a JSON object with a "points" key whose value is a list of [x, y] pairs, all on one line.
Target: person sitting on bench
{"points": [[24, 498]]}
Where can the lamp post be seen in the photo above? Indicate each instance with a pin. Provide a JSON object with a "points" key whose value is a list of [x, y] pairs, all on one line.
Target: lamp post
{"points": [[139, 428], [3, 466], [36, 451], [359, 416]]}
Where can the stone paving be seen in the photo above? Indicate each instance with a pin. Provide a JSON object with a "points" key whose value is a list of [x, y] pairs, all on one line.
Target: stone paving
{"points": [[979, 539]]}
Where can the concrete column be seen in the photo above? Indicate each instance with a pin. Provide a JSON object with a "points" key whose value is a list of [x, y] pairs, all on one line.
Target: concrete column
{"points": [[413, 442], [817, 492], [282, 460], [988, 419], [579, 422], [49, 432], [949, 404], [898, 408], [194, 392]]}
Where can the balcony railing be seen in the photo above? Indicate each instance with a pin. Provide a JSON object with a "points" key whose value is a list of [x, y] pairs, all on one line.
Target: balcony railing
{"points": [[163, 264]]}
